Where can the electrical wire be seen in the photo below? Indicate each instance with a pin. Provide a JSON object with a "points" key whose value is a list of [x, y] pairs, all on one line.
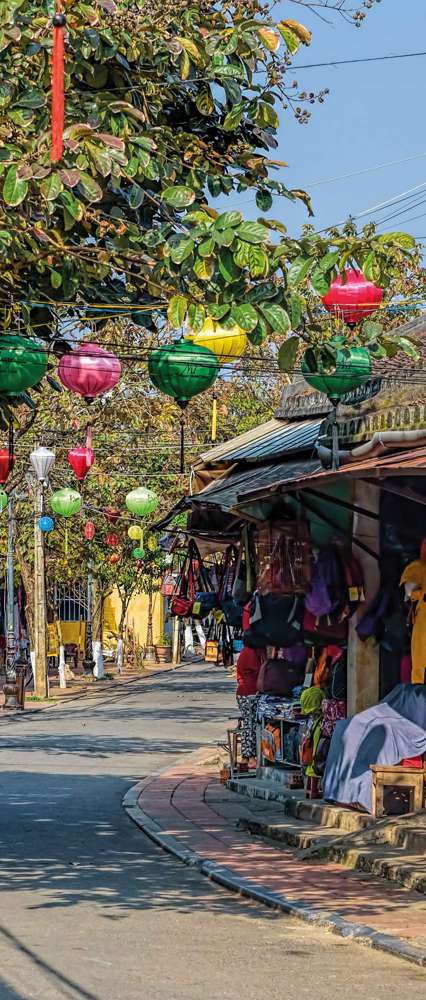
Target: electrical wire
{"points": [[364, 59]]}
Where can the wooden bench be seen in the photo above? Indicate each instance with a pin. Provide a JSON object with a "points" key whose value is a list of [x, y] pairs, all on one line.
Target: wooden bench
{"points": [[395, 776]]}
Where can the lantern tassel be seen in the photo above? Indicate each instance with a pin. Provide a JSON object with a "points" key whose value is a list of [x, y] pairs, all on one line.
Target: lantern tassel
{"points": [[58, 102], [66, 542], [214, 419], [182, 443]]}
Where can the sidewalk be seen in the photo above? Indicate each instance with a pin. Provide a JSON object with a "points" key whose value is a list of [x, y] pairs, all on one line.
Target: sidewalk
{"points": [[187, 812]]}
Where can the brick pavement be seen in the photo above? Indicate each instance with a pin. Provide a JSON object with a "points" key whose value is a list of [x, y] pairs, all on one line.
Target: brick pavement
{"points": [[188, 803]]}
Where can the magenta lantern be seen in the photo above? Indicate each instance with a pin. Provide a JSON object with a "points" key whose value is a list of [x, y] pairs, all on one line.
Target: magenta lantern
{"points": [[354, 299], [89, 530], [89, 371], [81, 459]]}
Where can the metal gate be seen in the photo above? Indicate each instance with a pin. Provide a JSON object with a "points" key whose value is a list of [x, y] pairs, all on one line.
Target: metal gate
{"points": [[71, 602]]}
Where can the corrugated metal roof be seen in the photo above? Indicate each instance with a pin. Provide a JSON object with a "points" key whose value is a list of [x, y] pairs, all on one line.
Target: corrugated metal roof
{"points": [[374, 467], [270, 440], [226, 491]]}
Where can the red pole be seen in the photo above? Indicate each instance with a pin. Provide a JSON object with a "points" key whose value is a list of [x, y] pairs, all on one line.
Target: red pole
{"points": [[58, 102]]}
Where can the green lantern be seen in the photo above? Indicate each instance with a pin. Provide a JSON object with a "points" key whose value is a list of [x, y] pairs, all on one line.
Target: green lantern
{"points": [[337, 370], [3, 500], [65, 502], [138, 553], [141, 501], [23, 363], [182, 370]]}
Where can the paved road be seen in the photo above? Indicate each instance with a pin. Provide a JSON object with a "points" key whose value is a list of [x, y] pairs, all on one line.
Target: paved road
{"points": [[91, 910]]}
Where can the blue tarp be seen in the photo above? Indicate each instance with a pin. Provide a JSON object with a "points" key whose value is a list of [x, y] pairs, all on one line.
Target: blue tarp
{"points": [[384, 734]]}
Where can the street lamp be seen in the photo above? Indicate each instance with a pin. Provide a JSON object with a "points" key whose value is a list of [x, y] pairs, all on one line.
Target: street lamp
{"points": [[42, 461]]}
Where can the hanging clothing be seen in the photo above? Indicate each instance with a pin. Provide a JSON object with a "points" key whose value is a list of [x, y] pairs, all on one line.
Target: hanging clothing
{"points": [[414, 579], [248, 666], [311, 701], [247, 705]]}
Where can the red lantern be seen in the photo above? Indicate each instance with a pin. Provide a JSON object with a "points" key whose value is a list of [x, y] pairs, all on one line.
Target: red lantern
{"points": [[5, 464], [112, 540], [90, 371], [115, 558], [81, 459], [112, 515], [89, 530], [353, 299]]}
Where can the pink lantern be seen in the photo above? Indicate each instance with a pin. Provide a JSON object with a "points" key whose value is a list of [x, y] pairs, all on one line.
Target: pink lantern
{"points": [[90, 371], [353, 299], [81, 459], [89, 531]]}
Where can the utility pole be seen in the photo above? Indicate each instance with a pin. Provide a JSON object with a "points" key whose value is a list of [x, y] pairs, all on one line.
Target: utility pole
{"points": [[88, 662], [175, 639], [10, 686], [40, 628]]}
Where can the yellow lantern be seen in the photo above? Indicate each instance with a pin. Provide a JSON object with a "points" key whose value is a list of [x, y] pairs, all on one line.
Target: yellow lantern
{"points": [[227, 345], [135, 532], [151, 543]]}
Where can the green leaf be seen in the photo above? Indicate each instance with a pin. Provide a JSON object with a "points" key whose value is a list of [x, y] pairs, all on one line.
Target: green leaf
{"points": [[100, 158], [371, 330], [276, 316], [242, 253], [72, 205], [178, 196], [55, 279], [218, 312], [224, 238], [258, 262], [203, 267], [319, 281], [196, 316], [371, 267], [177, 310], [258, 336], [214, 185], [402, 240], [89, 188], [205, 102], [227, 266], [253, 232], [264, 200], [269, 38], [296, 306], [245, 316], [191, 48], [51, 186], [136, 196], [14, 189], [32, 99], [291, 40], [287, 354], [182, 250], [266, 116], [407, 346], [205, 249], [298, 270], [329, 261], [233, 118], [228, 220]]}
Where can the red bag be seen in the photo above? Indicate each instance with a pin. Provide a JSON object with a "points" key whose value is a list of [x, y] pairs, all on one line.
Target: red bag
{"points": [[181, 607], [322, 631]]}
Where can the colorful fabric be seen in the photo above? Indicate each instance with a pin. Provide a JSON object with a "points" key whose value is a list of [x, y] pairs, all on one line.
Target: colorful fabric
{"points": [[247, 705], [248, 666], [311, 700], [414, 576]]}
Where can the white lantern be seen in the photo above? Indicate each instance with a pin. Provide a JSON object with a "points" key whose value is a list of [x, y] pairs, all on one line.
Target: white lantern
{"points": [[42, 460]]}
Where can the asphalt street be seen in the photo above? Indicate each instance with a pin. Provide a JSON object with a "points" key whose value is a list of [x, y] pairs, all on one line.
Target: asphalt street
{"points": [[92, 910]]}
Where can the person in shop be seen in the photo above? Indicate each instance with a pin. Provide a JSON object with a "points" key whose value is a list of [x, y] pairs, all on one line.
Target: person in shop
{"points": [[248, 666], [311, 706]]}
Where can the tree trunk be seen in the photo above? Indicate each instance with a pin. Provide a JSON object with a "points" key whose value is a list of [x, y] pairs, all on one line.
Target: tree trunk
{"points": [[27, 577]]}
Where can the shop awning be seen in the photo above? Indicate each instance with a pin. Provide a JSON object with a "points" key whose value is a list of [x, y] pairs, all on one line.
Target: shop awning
{"points": [[226, 491], [409, 463], [273, 439]]}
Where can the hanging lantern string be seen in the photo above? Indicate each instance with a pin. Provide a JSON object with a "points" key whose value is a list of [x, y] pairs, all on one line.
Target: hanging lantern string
{"points": [[214, 419], [58, 100]]}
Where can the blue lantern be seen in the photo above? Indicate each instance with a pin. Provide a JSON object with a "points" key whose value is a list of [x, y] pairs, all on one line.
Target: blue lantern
{"points": [[46, 523]]}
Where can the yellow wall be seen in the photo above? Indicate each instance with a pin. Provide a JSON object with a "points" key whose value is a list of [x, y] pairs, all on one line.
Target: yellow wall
{"points": [[137, 618]]}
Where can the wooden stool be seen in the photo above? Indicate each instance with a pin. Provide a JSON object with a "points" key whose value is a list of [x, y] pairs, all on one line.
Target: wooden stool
{"points": [[234, 740], [399, 777]]}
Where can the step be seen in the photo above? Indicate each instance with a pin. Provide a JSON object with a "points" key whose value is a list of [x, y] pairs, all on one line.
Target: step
{"points": [[293, 832], [388, 862], [295, 804]]}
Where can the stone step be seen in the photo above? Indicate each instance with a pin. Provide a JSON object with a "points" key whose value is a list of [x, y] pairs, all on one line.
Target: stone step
{"points": [[293, 832], [316, 812], [388, 862]]}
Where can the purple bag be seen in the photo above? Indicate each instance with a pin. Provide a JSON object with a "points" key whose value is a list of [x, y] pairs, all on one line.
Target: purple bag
{"points": [[373, 615], [328, 587]]}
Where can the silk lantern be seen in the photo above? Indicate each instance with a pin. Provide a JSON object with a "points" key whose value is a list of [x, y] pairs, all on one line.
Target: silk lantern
{"points": [[141, 501], [112, 539], [89, 531], [226, 344], [89, 371], [183, 370], [3, 500], [65, 502], [6, 463], [352, 297], [46, 523], [135, 532], [351, 367], [138, 553], [42, 461], [81, 460], [114, 558], [23, 363]]}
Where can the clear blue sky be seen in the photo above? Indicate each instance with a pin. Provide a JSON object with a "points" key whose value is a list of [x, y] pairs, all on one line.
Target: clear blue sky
{"points": [[373, 114]]}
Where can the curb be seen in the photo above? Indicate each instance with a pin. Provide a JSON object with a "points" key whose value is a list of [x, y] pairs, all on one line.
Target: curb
{"points": [[225, 877]]}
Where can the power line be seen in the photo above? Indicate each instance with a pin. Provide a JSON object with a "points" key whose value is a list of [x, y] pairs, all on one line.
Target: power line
{"points": [[366, 59]]}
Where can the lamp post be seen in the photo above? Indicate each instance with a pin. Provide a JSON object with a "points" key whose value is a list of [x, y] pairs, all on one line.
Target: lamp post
{"points": [[10, 686], [42, 461], [88, 662]]}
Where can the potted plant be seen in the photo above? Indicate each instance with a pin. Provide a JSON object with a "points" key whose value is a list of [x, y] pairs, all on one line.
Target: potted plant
{"points": [[163, 648]]}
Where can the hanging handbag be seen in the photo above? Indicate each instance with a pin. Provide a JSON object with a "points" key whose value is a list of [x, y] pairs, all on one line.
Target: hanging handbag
{"points": [[232, 610], [279, 622], [278, 677], [307, 745], [211, 649], [183, 596], [167, 585]]}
